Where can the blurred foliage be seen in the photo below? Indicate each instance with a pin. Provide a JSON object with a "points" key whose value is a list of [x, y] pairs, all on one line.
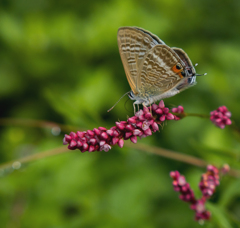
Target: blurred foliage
{"points": [[59, 62]]}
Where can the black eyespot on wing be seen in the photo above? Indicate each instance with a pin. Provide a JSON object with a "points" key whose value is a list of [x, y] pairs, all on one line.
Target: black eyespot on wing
{"points": [[178, 67], [183, 74]]}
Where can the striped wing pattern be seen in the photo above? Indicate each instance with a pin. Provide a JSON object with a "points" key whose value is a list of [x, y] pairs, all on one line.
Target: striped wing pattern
{"points": [[133, 45], [155, 74]]}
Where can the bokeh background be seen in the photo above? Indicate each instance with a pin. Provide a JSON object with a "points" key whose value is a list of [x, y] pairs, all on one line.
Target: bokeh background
{"points": [[59, 62]]}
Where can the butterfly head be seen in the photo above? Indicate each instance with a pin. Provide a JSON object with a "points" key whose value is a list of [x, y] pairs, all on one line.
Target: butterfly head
{"points": [[189, 73]]}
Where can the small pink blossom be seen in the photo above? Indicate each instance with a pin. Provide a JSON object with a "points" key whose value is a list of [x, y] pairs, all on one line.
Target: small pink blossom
{"points": [[179, 110], [221, 117], [209, 181]]}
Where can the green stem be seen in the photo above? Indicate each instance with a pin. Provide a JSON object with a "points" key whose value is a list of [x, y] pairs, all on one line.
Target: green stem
{"points": [[183, 115]]}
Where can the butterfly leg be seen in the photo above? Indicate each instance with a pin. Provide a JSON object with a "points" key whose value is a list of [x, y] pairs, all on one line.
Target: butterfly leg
{"points": [[150, 106], [134, 108], [145, 104]]}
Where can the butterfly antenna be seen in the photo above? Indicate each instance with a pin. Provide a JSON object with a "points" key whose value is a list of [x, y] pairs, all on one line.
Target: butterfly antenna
{"points": [[118, 101], [201, 74], [196, 64]]}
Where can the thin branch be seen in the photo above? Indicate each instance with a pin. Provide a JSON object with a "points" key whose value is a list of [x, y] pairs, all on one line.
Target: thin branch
{"points": [[37, 156], [169, 154], [36, 123], [142, 147]]}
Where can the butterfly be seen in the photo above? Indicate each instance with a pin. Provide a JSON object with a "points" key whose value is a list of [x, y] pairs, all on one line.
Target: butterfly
{"points": [[154, 70]]}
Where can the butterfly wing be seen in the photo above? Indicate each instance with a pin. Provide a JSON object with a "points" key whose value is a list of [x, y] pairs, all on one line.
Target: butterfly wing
{"points": [[133, 44], [184, 57], [158, 72], [191, 72]]}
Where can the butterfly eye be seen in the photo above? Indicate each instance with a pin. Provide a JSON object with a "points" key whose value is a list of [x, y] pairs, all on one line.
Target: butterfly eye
{"points": [[178, 67], [183, 74], [192, 80]]}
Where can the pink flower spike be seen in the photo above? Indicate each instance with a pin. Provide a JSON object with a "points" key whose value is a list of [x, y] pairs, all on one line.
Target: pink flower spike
{"points": [[221, 117], [207, 185], [141, 125]]}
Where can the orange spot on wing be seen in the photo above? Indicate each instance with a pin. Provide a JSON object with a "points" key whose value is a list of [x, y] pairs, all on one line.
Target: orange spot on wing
{"points": [[177, 71]]}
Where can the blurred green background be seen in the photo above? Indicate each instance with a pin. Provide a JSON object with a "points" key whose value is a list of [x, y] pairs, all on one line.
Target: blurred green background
{"points": [[59, 62]]}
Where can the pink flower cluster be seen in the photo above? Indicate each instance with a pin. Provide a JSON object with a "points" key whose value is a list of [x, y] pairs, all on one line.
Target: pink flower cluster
{"points": [[207, 185], [141, 125], [221, 117], [179, 110], [209, 181]]}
